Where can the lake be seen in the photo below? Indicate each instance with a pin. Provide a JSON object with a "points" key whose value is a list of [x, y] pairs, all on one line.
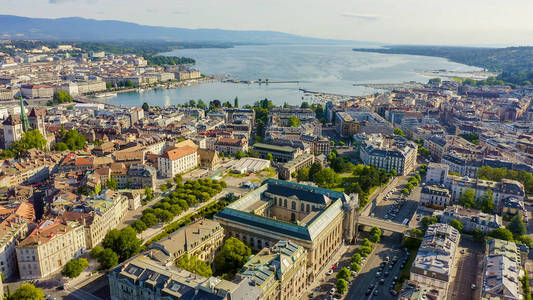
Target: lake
{"points": [[322, 68]]}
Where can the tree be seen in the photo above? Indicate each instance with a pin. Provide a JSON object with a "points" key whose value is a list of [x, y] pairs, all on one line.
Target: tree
{"points": [[502, 234], [195, 265], [74, 267], [398, 131], [236, 102], [356, 258], [485, 203], [60, 146], [232, 256], [526, 240], [434, 81], [424, 152], [27, 291], [31, 139], [344, 273], [108, 258], [355, 267], [148, 194], [123, 242], [62, 97], [315, 168], [427, 221], [294, 122], [149, 219], [326, 178], [467, 198], [112, 184], [478, 235], [139, 226], [74, 140], [366, 242], [375, 238], [302, 174], [201, 104], [145, 106], [364, 251], [457, 225], [342, 286], [517, 226], [375, 230], [270, 157]]}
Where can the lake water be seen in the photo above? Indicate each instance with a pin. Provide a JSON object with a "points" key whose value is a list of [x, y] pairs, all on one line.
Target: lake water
{"points": [[322, 68]]}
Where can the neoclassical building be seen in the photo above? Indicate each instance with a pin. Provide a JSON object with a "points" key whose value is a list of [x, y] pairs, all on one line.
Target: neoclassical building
{"points": [[315, 218]]}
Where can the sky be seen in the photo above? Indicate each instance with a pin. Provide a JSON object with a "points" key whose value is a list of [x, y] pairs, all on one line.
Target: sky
{"points": [[436, 22]]}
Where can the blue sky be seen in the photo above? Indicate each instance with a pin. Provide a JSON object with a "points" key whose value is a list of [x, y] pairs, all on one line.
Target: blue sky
{"points": [[452, 22]]}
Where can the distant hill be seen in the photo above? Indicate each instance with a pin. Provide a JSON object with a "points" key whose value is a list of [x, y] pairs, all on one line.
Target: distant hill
{"points": [[80, 29]]}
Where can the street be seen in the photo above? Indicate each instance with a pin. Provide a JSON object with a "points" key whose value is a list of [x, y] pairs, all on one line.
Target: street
{"points": [[468, 271], [388, 246]]}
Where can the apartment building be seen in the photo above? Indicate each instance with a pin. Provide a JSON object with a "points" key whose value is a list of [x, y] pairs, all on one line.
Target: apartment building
{"points": [[176, 161], [137, 176], [201, 238], [286, 170], [434, 263], [471, 218], [501, 271], [500, 190], [231, 145], [13, 229], [148, 276], [436, 196], [48, 248], [98, 214], [279, 271], [395, 153], [279, 153], [437, 173]]}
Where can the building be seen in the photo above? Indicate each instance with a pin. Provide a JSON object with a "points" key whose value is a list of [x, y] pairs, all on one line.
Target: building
{"points": [[99, 214], [176, 161], [345, 125], [501, 271], [250, 164], [201, 238], [285, 170], [437, 145], [36, 120], [396, 153], [208, 158], [13, 229], [471, 218], [461, 165], [138, 176], [136, 114], [314, 218], [280, 271], [48, 248], [512, 206], [435, 261], [279, 153], [437, 173], [150, 276], [31, 91], [413, 290], [435, 196], [500, 190], [12, 130], [231, 145]]}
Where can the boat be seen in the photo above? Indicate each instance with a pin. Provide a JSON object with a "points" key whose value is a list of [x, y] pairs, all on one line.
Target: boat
{"points": [[105, 95]]}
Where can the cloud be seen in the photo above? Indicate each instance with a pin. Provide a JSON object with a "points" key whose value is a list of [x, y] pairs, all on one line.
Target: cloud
{"points": [[366, 17], [68, 1]]}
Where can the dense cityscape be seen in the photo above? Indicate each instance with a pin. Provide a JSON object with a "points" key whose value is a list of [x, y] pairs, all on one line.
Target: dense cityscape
{"points": [[417, 191]]}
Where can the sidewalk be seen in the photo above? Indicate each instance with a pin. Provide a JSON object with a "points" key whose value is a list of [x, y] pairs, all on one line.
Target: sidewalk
{"points": [[333, 259]]}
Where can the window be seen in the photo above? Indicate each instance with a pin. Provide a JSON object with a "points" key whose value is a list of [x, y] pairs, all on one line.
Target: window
{"points": [[307, 208], [302, 207], [293, 205], [285, 203]]}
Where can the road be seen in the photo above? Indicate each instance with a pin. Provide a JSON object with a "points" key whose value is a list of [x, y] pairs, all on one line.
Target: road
{"points": [[388, 246], [468, 270]]}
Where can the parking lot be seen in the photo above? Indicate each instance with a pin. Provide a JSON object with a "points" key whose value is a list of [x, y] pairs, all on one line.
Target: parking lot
{"points": [[396, 208], [468, 267]]}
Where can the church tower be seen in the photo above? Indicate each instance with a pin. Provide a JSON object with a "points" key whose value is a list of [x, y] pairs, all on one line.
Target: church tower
{"points": [[23, 117], [36, 120]]}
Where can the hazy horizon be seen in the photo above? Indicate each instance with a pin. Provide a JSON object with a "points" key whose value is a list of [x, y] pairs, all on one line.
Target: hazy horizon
{"points": [[453, 22]]}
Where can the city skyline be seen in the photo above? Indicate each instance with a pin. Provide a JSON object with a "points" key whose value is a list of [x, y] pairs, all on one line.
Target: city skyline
{"points": [[406, 22]]}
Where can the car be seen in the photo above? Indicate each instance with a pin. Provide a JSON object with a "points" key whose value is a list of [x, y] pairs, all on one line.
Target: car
{"points": [[402, 266], [348, 267], [383, 264], [375, 292], [378, 274], [387, 259], [393, 292], [334, 267], [386, 274], [462, 251], [60, 288], [473, 286], [332, 291], [330, 272], [368, 292], [380, 269], [354, 273], [391, 267], [395, 278], [382, 281]]}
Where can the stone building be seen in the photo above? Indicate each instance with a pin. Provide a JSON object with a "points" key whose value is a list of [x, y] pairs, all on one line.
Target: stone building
{"points": [[280, 271], [176, 161], [149, 276], [49, 247], [201, 239], [435, 261], [286, 170], [433, 195], [501, 271], [396, 153], [12, 130], [315, 218]]}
